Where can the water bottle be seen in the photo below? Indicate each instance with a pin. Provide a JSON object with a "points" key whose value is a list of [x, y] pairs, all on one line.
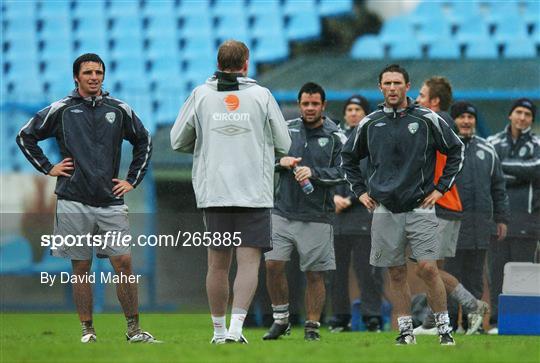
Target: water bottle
{"points": [[305, 184]]}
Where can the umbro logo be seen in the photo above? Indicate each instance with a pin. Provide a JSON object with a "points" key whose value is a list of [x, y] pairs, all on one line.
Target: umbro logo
{"points": [[76, 110]]}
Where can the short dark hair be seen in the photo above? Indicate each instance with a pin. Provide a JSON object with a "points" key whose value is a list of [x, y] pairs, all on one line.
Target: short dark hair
{"points": [[232, 55], [394, 68], [87, 57], [440, 87], [311, 88]]}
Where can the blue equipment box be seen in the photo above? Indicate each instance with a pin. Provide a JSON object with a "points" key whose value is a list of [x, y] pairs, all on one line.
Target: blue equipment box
{"points": [[519, 315]]}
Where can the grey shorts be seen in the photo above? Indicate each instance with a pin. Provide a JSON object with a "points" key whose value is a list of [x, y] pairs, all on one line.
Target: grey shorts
{"points": [[78, 219], [391, 232], [313, 241], [448, 236]]}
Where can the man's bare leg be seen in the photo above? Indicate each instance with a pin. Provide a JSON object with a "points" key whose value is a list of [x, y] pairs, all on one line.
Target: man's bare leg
{"points": [[400, 295], [278, 290], [245, 284], [315, 295], [217, 288], [127, 293], [82, 295]]}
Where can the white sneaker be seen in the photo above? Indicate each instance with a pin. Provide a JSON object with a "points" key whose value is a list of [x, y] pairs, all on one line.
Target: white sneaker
{"points": [[477, 317], [231, 338], [89, 338], [218, 339], [493, 331], [420, 330], [142, 337]]}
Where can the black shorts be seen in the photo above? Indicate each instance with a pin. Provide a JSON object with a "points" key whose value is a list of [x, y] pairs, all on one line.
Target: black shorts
{"points": [[253, 226]]}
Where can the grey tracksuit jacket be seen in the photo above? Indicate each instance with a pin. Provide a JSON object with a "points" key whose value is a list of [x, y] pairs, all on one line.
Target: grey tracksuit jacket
{"points": [[235, 129]]}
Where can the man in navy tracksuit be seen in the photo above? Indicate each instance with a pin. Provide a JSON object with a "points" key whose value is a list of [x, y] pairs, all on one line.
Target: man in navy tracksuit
{"points": [[90, 127], [483, 196], [519, 151], [303, 221], [401, 140]]}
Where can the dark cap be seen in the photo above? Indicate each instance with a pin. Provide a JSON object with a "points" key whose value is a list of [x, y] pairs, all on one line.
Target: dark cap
{"points": [[461, 107], [358, 100], [523, 102]]}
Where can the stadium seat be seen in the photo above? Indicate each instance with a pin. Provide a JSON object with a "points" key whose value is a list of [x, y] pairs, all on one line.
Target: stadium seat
{"points": [[512, 28], [367, 47], [19, 9], [125, 26], [56, 30], [230, 26], [472, 31], [293, 7], [163, 70], [482, 49], [159, 9], [335, 7], [444, 48], [427, 10], [90, 27], [122, 8], [15, 255], [53, 8], [269, 24], [166, 47], [165, 26], [264, 8], [304, 25], [89, 9], [531, 11], [199, 25], [501, 12], [96, 45], [22, 29], [396, 29], [432, 31], [194, 8], [273, 48], [405, 49], [229, 7], [520, 48], [463, 12], [198, 48]]}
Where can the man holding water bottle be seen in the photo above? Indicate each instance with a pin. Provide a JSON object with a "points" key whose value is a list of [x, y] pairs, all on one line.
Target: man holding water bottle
{"points": [[303, 209]]}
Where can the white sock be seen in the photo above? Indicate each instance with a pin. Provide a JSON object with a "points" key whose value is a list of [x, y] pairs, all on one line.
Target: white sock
{"points": [[237, 322], [220, 325]]}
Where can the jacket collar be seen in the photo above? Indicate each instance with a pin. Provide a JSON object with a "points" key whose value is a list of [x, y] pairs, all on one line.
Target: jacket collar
{"points": [[90, 100], [400, 112]]}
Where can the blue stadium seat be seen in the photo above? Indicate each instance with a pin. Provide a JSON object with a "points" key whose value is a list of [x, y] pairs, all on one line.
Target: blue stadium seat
{"points": [[123, 8], [264, 8], [231, 26], [15, 255], [512, 28], [126, 25], [335, 7], [96, 45], [520, 48], [269, 24], [395, 29], [19, 9], [199, 70], [194, 8], [273, 48], [57, 65], [159, 9], [531, 11], [198, 48], [90, 27], [444, 48], [432, 31], [463, 12], [535, 35], [56, 30], [427, 10], [89, 10], [165, 70], [165, 26], [405, 49], [22, 28], [472, 31], [304, 25], [367, 47], [293, 7], [169, 100], [501, 12], [61, 85], [54, 9], [230, 7], [166, 47], [127, 45], [199, 25], [482, 49]]}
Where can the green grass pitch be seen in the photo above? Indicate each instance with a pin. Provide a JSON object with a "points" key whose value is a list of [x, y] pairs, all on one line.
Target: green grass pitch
{"points": [[55, 338]]}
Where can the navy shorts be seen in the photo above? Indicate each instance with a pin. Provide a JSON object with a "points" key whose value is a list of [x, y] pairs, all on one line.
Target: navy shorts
{"points": [[253, 226]]}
